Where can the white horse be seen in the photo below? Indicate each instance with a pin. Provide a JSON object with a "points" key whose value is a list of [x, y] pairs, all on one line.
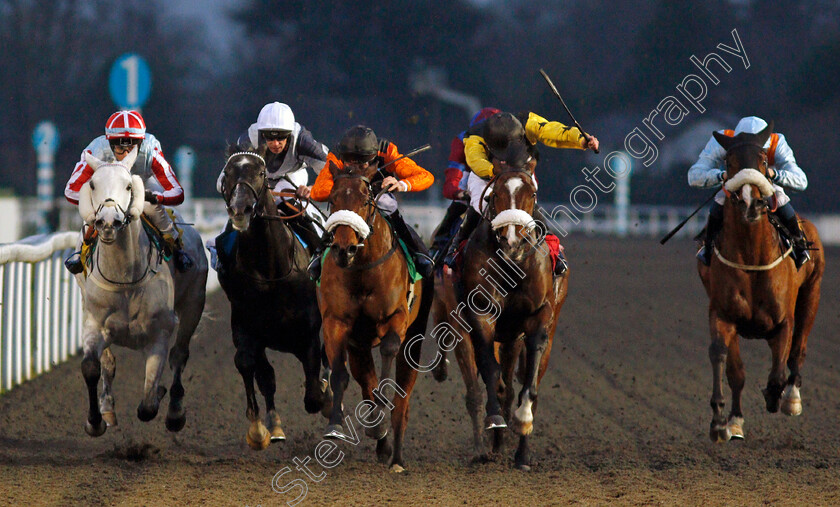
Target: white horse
{"points": [[132, 297]]}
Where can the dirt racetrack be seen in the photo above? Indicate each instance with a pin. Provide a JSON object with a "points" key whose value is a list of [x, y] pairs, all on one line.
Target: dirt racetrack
{"points": [[623, 416]]}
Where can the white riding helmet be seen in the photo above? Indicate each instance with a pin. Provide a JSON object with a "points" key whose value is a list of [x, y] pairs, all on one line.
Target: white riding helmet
{"points": [[276, 116], [750, 125]]}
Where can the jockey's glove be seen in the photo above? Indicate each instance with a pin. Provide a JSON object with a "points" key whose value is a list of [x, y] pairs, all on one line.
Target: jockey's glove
{"points": [[151, 197]]}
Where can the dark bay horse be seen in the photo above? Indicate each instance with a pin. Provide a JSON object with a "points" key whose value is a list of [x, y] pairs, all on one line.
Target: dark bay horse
{"points": [[364, 301], [506, 296], [271, 296], [755, 290]]}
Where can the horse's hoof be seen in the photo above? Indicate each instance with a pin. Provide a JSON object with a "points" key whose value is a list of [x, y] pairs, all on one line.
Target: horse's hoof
{"points": [[792, 407], [397, 469], [735, 427], [110, 418], [146, 414], [522, 428], [96, 431], [441, 371], [383, 450], [334, 431], [174, 424], [258, 437], [326, 408], [791, 401], [277, 434], [494, 421], [719, 434], [523, 467]]}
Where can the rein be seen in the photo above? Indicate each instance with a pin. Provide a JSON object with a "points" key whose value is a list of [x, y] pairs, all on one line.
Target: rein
{"points": [[118, 286], [258, 195]]}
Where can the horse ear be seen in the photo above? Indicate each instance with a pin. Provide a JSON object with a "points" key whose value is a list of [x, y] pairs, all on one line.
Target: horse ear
{"points": [[129, 160], [722, 139], [92, 161], [86, 204], [764, 135], [138, 194], [262, 150]]}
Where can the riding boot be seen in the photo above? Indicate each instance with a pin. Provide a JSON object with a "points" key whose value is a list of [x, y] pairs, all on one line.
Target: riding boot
{"points": [[712, 229], [470, 222], [444, 230], [560, 265], [787, 216], [314, 268], [422, 261], [305, 228], [74, 263]]}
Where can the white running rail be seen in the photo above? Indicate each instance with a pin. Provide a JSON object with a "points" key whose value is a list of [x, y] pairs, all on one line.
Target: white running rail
{"points": [[40, 318]]}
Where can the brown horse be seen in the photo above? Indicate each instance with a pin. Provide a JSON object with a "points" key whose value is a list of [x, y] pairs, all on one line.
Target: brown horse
{"points": [[505, 296], [364, 302], [755, 290]]}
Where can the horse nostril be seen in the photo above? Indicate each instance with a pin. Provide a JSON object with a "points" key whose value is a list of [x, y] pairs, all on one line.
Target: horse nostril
{"points": [[248, 209], [351, 250]]}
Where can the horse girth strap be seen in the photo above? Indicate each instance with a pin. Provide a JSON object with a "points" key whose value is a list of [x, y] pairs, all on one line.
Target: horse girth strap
{"points": [[747, 267]]}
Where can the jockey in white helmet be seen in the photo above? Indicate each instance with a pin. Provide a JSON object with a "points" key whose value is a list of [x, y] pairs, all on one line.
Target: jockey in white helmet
{"points": [[291, 150], [783, 171]]}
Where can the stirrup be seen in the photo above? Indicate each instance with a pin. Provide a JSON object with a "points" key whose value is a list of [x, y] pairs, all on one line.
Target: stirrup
{"points": [[800, 257], [424, 264], [560, 266], [704, 256], [314, 268]]}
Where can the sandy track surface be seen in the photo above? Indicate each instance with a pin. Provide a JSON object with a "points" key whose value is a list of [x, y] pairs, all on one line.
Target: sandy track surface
{"points": [[623, 416]]}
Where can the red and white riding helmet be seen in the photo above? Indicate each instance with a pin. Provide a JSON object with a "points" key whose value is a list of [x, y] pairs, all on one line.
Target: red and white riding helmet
{"points": [[125, 124]]}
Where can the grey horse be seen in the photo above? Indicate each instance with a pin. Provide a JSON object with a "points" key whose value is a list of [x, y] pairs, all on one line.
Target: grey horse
{"points": [[133, 298]]}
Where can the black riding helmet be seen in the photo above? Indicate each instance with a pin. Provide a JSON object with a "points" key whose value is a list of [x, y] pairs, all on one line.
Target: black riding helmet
{"points": [[502, 133], [358, 143]]}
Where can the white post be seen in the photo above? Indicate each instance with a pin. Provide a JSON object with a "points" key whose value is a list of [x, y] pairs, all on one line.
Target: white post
{"points": [[622, 202], [45, 140]]}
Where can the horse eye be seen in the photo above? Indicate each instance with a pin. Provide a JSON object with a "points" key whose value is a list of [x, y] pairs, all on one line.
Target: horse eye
{"points": [[128, 188], [91, 186]]}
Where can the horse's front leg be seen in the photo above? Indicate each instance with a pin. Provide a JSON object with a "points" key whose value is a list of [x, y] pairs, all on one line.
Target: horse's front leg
{"points": [[406, 376], [736, 376], [257, 437], [536, 347], [94, 344], [482, 340], [156, 354], [267, 383], [780, 342], [723, 333], [108, 367], [336, 335]]}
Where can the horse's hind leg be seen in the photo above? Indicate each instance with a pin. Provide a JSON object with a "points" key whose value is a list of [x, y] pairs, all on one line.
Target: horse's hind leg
{"points": [[108, 366], [735, 374], [258, 437], [466, 361], [91, 370], [779, 342], [376, 427], [153, 392], [264, 374], [179, 354], [315, 396], [807, 303], [406, 376]]}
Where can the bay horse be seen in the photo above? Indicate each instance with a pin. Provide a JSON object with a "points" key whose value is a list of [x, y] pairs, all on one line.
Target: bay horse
{"points": [[505, 296], [272, 299], [363, 297], [133, 297], [755, 290]]}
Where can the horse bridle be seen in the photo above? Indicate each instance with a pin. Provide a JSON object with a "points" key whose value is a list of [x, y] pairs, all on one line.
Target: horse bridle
{"points": [[488, 212], [258, 195]]}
